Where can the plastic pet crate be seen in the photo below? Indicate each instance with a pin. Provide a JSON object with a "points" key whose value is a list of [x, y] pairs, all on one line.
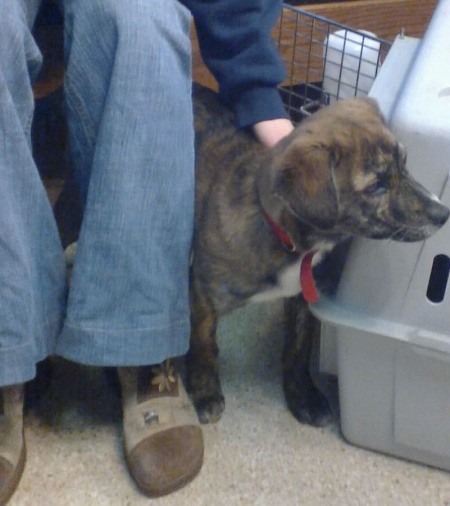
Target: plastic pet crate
{"points": [[390, 317]]}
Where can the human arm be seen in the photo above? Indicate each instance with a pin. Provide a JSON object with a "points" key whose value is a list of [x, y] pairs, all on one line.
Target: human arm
{"points": [[269, 132], [236, 44]]}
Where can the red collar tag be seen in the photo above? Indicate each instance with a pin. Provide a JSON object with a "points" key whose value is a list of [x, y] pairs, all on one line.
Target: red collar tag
{"points": [[307, 283]]}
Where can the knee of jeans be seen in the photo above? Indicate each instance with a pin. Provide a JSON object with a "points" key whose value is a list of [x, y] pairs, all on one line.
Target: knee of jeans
{"points": [[138, 21]]}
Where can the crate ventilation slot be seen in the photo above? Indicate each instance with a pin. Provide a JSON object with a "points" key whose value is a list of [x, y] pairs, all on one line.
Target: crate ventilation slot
{"points": [[437, 283]]}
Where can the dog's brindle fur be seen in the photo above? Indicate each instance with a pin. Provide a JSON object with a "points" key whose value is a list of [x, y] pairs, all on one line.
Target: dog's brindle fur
{"points": [[339, 174]]}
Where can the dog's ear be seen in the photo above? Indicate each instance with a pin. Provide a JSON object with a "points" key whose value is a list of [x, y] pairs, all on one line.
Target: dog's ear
{"points": [[304, 181]]}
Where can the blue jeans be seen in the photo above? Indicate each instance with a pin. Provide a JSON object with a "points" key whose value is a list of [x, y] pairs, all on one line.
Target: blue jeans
{"points": [[128, 93]]}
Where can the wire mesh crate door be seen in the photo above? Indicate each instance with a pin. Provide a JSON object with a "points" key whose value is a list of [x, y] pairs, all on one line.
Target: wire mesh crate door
{"points": [[325, 60]]}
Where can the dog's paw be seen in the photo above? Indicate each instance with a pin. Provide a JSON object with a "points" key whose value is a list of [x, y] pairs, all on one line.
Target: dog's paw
{"points": [[306, 402], [203, 385], [314, 410], [210, 409]]}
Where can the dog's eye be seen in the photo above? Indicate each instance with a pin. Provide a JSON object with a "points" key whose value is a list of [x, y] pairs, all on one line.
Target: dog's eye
{"points": [[375, 189]]}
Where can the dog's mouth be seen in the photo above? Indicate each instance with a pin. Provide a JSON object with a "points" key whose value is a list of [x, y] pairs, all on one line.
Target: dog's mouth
{"points": [[408, 233], [405, 234]]}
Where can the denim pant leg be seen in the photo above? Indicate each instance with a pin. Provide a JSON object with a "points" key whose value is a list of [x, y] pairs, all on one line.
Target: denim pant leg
{"points": [[128, 90], [32, 271]]}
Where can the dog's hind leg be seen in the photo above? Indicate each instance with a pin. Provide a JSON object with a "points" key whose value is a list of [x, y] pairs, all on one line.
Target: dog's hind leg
{"points": [[304, 399], [202, 367]]}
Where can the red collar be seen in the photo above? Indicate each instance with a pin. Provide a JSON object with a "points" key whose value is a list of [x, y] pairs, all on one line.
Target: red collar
{"points": [[307, 283], [284, 237]]}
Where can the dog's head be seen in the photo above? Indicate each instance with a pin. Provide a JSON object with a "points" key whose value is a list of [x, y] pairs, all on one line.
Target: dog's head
{"points": [[342, 170]]}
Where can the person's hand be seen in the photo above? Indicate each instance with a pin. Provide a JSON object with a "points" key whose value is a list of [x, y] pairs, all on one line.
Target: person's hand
{"points": [[271, 131]]}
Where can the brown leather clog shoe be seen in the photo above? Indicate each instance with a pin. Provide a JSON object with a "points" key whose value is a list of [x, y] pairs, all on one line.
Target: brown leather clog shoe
{"points": [[163, 439], [12, 443]]}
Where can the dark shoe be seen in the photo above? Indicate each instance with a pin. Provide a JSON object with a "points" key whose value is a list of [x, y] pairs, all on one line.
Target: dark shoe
{"points": [[163, 439], [12, 443]]}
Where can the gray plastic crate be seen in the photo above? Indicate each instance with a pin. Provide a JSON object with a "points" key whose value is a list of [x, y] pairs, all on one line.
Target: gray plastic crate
{"points": [[391, 313]]}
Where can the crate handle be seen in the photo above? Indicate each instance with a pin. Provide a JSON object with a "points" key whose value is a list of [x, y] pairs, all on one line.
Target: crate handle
{"points": [[437, 283]]}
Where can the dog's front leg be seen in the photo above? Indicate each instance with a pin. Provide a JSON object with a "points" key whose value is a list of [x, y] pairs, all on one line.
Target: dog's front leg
{"points": [[202, 366], [306, 402]]}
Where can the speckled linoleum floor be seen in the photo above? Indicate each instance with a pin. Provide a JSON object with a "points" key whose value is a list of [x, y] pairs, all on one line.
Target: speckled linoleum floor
{"points": [[256, 455]]}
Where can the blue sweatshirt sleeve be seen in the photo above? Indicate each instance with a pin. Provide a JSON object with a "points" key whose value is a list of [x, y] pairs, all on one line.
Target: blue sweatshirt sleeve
{"points": [[237, 46]]}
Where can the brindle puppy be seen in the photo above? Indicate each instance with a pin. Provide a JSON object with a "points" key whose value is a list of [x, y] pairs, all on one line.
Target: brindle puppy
{"points": [[341, 173]]}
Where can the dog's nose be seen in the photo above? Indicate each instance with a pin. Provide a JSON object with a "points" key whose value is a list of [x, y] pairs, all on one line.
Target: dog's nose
{"points": [[439, 213]]}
